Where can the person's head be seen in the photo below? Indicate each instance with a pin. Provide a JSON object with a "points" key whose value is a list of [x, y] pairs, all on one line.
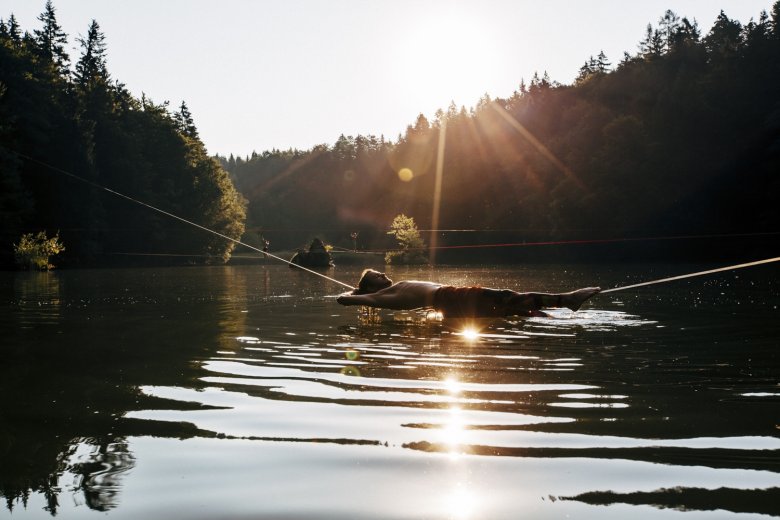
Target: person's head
{"points": [[372, 281]]}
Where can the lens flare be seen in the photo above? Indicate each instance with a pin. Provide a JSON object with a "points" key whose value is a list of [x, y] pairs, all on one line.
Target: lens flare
{"points": [[470, 334], [405, 174]]}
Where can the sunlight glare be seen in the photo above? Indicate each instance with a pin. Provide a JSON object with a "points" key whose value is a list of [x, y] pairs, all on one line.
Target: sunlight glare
{"points": [[405, 174], [453, 431], [446, 56], [452, 385], [538, 145], [470, 333], [461, 503]]}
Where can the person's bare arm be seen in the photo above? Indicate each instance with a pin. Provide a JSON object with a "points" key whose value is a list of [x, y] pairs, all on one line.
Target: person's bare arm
{"points": [[353, 299], [400, 296], [378, 299]]}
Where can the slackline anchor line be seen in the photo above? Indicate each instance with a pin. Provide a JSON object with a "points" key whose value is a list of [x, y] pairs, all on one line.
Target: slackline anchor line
{"points": [[691, 275], [171, 215]]}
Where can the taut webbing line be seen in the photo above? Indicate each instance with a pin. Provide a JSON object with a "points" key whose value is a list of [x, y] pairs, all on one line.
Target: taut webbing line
{"points": [[691, 275], [96, 185]]}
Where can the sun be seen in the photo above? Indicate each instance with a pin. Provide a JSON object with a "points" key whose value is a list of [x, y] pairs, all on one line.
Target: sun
{"points": [[444, 57], [470, 333]]}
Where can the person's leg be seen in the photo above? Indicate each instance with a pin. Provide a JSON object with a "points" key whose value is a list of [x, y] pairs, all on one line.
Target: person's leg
{"points": [[522, 303]]}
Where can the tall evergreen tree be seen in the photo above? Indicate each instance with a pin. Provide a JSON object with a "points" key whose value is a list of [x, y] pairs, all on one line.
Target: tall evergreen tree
{"points": [[775, 17], [91, 66], [51, 40], [602, 63], [668, 26], [185, 122], [13, 29], [652, 46], [724, 39]]}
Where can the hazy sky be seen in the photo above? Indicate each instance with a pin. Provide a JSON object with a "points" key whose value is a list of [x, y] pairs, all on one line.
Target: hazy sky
{"points": [[258, 75]]}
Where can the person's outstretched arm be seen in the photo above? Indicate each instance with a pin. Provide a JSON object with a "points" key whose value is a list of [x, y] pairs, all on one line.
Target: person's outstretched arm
{"points": [[383, 299], [356, 299], [399, 296]]}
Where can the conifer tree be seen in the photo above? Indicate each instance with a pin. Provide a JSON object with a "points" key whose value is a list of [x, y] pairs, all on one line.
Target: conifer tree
{"points": [[13, 29], [51, 40], [422, 124], [667, 27], [586, 70], [91, 66], [652, 46], [602, 64], [725, 37], [185, 122]]}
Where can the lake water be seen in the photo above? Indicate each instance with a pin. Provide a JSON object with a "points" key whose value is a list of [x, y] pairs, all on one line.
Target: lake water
{"points": [[248, 392]]}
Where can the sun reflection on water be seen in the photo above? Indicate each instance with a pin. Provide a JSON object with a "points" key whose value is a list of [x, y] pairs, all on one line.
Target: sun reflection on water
{"points": [[470, 334], [453, 386], [460, 503], [453, 431]]}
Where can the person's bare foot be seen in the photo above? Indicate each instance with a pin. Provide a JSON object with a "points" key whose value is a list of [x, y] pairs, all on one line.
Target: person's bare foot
{"points": [[575, 299]]}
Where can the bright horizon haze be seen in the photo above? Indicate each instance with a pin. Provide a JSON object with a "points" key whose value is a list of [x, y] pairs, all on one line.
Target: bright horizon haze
{"points": [[262, 75]]}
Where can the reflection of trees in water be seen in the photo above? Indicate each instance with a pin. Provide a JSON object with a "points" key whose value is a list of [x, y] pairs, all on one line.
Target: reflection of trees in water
{"points": [[96, 465], [40, 445], [29, 462], [100, 471], [755, 501], [37, 298], [235, 285], [76, 348]]}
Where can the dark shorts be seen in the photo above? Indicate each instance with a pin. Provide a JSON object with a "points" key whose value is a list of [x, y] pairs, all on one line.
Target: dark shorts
{"points": [[471, 302]]}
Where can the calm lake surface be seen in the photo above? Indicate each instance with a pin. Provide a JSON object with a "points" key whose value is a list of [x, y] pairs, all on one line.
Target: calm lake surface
{"points": [[248, 392]]}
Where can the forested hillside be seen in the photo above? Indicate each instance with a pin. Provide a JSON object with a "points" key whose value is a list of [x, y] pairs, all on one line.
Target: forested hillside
{"points": [[680, 138], [61, 115]]}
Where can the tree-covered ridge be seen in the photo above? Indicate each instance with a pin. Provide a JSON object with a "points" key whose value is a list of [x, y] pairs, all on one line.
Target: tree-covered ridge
{"points": [[76, 118], [680, 138]]}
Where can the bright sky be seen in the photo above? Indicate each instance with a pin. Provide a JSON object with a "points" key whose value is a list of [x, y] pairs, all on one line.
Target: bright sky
{"points": [[258, 75]]}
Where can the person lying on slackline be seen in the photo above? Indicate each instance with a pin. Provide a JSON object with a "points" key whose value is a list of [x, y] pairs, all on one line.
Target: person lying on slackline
{"points": [[375, 289]]}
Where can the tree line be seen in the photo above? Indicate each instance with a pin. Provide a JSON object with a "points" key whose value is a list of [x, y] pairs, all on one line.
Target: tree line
{"points": [[58, 118], [681, 137]]}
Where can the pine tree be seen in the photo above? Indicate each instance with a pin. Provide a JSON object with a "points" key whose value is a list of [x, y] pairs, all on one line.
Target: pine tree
{"points": [[91, 66], [585, 71], [602, 64], [14, 33], [652, 46], [684, 35], [51, 40], [775, 15], [438, 117], [422, 125], [667, 27], [185, 122], [725, 37]]}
